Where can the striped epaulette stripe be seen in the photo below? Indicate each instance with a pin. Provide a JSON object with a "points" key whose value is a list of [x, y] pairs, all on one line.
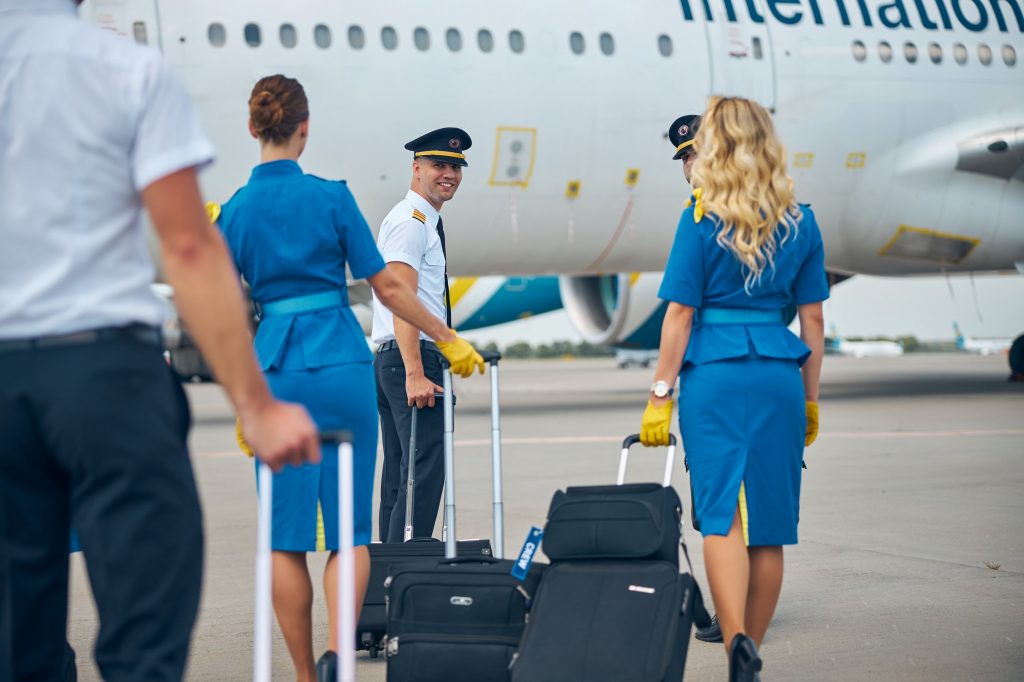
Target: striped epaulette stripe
{"points": [[418, 215]]}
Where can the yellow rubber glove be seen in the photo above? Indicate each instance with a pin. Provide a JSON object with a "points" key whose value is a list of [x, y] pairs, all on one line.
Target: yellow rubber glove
{"points": [[462, 357], [812, 423], [242, 443], [654, 426]]}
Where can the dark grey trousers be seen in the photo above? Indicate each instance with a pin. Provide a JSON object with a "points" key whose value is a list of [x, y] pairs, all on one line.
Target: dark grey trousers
{"points": [[395, 416], [94, 437]]}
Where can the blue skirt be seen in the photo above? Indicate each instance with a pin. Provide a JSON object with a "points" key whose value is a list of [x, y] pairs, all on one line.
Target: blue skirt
{"points": [[305, 516], [742, 422]]}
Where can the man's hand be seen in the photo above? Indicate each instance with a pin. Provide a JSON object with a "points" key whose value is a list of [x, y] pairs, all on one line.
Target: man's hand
{"points": [[462, 357], [281, 433], [421, 390]]}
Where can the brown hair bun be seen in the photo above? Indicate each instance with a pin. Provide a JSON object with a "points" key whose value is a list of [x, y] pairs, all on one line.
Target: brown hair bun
{"points": [[277, 106]]}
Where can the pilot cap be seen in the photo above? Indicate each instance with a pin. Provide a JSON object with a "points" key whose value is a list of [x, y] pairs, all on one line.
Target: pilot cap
{"points": [[443, 144], [682, 132]]}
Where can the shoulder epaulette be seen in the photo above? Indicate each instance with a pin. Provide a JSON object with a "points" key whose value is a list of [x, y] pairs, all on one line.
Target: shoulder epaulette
{"points": [[418, 215], [212, 211]]}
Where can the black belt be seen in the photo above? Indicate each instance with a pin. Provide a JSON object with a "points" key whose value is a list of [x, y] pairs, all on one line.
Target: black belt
{"points": [[393, 345], [137, 332]]}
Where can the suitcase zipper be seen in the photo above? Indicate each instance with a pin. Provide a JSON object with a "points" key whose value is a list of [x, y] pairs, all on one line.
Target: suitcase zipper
{"points": [[392, 647]]}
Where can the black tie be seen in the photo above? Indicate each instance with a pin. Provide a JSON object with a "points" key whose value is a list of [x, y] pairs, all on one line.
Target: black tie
{"points": [[447, 295]]}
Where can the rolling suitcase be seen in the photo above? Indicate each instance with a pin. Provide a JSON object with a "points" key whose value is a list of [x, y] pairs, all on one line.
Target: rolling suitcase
{"points": [[373, 619], [372, 627], [612, 606], [346, 666], [458, 618]]}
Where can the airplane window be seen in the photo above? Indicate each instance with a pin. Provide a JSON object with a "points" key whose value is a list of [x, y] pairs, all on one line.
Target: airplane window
{"points": [[421, 38], [758, 50], [607, 43], [485, 40], [885, 51], [516, 41], [860, 51], [1009, 55], [935, 53], [910, 52], [139, 33], [217, 35], [389, 37], [322, 36], [252, 35], [665, 45], [357, 39], [289, 37], [984, 54], [454, 39], [576, 42], [959, 53]]}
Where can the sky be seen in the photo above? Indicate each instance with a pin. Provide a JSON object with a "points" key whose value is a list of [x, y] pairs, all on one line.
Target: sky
{"points": [[864, 306]]}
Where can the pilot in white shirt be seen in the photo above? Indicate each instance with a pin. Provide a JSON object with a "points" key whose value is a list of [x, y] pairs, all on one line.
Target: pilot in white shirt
{"points": [[408, 364]]}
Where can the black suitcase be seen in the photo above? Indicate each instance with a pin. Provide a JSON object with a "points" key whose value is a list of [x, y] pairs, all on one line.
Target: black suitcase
{"points": [[613, 606], [459, 619], [608, 621], [373, 619], [372, 628]]}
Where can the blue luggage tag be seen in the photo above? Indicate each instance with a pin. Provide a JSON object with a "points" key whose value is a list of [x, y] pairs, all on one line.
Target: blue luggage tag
{"points": [[522, 564]]}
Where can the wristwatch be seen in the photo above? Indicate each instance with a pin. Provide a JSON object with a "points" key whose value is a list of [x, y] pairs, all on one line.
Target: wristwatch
{"points": [[661, 389]]}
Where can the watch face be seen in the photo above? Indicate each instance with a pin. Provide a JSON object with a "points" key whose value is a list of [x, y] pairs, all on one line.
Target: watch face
{"points": [[660, 389]]}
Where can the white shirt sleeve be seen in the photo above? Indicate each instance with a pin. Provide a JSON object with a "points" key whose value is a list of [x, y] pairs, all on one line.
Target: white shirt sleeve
{"points": [[169, 136], [405, 242]]}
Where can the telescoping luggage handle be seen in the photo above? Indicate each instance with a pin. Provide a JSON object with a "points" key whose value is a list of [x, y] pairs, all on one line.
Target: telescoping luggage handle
{"points": [[346, 606], [492, 358], [670, 458]]}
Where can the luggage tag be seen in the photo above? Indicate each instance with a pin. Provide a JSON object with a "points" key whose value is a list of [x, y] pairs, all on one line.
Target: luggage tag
{"points": [[522, 564]]}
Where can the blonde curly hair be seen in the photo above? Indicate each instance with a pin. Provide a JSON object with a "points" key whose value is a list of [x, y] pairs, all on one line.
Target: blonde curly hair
{"points": [[746, 190]]}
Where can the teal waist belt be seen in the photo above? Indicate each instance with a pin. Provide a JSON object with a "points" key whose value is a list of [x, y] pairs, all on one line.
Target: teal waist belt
{"points": [[738, 316], [304, 304]]}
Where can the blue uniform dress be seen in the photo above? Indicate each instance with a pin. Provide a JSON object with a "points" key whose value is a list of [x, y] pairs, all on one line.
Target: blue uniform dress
{"points": [[741, 396], [291, 235]]}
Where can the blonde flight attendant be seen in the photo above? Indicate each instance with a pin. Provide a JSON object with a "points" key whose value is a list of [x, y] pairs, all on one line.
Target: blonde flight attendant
{"points": [[748, 387]]}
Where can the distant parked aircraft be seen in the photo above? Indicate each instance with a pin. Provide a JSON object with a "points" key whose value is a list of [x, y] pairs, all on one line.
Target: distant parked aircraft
{"points": [[981, 346], [861, 349]]}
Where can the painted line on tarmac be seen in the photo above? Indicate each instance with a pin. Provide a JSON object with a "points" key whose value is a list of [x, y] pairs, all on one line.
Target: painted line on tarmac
{"points": [[570, 440]]}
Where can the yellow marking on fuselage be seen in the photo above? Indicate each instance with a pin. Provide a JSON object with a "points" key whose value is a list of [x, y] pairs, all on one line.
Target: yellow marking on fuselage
{"points": [[459, 287], [974, 241]]}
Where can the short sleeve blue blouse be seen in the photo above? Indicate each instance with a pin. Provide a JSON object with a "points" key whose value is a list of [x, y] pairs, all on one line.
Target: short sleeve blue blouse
{"points": [[703, 274], [291, 234]]}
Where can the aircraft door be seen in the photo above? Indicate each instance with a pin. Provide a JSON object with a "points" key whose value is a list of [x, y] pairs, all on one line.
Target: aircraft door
{"points": [[740, 53], [135, 19]]}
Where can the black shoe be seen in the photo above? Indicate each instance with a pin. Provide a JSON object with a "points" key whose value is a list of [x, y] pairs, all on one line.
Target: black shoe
{"points": [[712, 633], [744, 662], [327, 667]]}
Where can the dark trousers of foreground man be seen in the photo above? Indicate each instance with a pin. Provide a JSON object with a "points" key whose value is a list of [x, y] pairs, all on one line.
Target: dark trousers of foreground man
{"points": [[93, 433], [395, 417]]}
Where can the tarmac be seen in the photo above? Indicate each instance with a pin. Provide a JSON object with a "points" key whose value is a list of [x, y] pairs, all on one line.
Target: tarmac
{"points": [[911, 557]]}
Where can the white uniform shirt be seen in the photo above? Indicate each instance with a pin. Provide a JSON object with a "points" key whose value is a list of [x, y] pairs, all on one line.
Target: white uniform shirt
{"points": [[409, 235], [87, 120]]}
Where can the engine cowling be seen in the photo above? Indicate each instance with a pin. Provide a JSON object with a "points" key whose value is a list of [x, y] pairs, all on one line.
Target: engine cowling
{"points": [[621, 310]]}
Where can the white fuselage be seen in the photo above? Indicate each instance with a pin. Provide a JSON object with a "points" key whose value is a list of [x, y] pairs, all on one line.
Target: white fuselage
{"points": [[874, 145]]}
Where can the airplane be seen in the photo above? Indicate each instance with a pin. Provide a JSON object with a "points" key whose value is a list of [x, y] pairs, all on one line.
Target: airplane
{"points": [[904, 122], [861, 349], [981, 346]]}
